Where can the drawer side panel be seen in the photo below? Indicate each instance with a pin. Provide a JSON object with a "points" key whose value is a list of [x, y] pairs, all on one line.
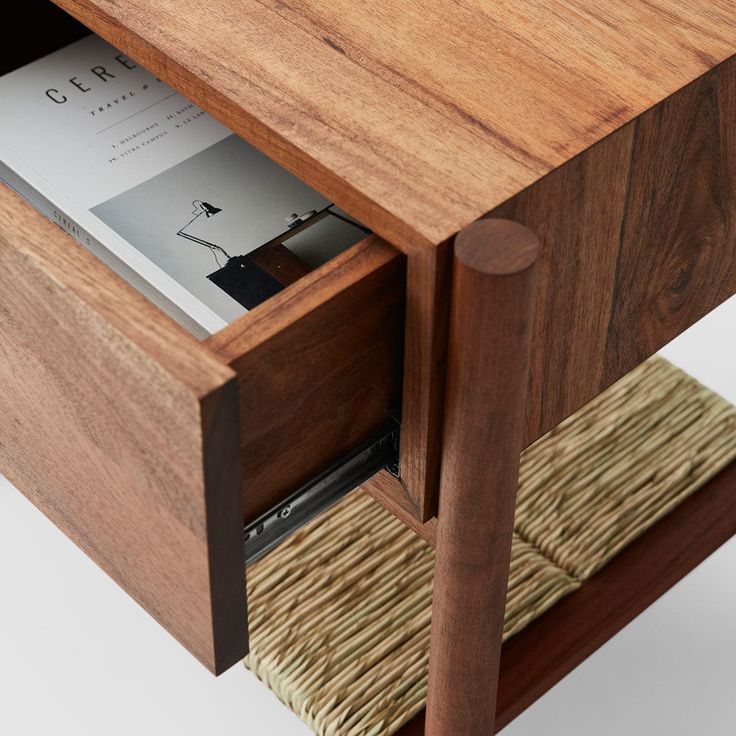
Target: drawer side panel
{"points": [[320, 369]]}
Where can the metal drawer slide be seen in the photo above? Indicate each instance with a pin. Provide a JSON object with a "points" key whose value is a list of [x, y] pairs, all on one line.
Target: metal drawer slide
{"points": [[325, 490]]}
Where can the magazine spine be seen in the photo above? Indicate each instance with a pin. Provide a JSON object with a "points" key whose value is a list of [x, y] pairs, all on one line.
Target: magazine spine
{"points": [[72, 228]]}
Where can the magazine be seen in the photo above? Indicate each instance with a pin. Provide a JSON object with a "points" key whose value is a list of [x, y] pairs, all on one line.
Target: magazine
{"points": [[155, 187]]}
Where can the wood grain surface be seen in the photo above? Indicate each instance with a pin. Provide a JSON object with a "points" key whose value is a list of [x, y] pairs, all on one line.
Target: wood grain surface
{"points": [[493, 293], [389, 491], [320, 369], [122, 429], [639, 242], [552, 646], [418, 118], [605, 128]]}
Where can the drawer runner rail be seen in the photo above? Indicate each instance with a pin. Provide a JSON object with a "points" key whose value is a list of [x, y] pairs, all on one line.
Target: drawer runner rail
{"points": [[271, 528]]}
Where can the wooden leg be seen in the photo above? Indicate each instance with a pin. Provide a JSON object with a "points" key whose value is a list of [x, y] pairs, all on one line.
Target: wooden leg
{"points": [[487, 375]]}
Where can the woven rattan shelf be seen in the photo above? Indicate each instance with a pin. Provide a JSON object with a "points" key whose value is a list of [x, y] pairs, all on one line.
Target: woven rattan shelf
{"points": [[341, 613]]}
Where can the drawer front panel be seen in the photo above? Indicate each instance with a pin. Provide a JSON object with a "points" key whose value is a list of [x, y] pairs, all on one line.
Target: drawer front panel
{"points": [[123, 429]]}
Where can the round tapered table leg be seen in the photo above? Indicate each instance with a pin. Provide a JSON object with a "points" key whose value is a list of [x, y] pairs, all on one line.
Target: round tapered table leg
{"points": [[487, 377]]}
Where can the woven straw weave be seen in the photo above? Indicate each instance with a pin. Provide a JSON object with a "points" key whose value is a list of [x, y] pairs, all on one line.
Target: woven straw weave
{"points": [[340, 613]]}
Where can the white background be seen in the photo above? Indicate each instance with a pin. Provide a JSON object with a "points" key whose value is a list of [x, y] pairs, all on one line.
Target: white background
{"points": [[77, 656]]}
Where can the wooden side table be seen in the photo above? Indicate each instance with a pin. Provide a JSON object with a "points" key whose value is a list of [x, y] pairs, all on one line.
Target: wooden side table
{"points": [[557, 183]]}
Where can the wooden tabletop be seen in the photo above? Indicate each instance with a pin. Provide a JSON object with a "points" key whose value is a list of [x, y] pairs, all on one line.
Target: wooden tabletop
{"points": [[419, 117]]}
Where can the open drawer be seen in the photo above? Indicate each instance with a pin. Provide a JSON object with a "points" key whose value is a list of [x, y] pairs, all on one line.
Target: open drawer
{"points": [[149, 448]]}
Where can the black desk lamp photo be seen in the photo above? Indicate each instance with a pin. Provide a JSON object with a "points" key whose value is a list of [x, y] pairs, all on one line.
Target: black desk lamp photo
{"points": [[241, 277]]}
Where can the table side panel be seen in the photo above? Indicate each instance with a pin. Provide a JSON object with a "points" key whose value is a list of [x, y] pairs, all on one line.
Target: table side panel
{"points": [[425, 349], [639, 242]]}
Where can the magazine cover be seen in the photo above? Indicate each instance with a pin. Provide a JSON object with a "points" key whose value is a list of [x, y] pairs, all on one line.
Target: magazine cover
{"points": [[154, 186]]}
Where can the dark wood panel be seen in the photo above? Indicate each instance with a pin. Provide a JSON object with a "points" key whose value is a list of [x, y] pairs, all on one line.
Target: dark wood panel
{"points": [[639, 242], [320, 368], [425, 345], [639, 236], [122, 429], [281, 263], [677, 251], [552, 646]]}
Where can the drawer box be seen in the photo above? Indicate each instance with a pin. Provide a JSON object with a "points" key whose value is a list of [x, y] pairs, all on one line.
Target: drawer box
{"points": [[151, 449]]}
